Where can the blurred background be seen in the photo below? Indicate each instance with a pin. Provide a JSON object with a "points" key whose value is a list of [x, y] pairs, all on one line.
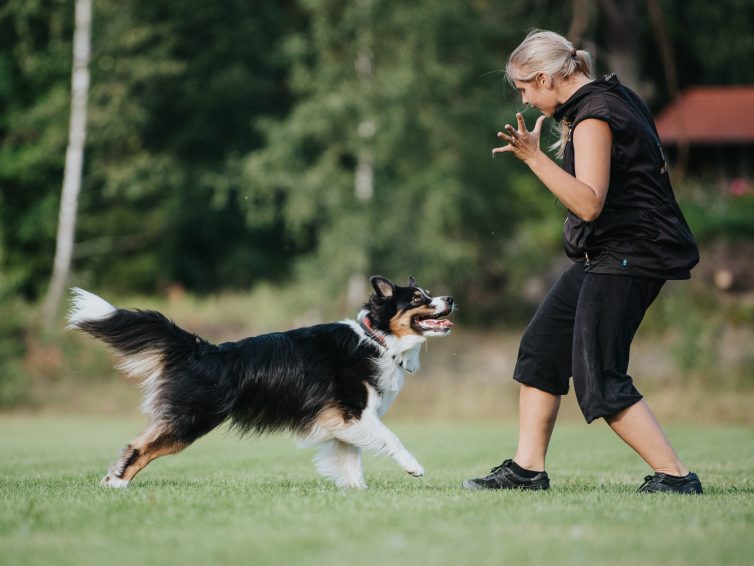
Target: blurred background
{"points": [[248, 164]]}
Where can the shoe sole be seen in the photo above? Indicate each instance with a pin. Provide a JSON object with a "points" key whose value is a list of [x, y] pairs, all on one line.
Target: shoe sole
{"points": [[468, 484]]}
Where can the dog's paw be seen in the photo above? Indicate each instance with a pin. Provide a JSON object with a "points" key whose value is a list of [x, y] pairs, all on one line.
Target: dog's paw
{"points": [[416, 470], [111, 481]]}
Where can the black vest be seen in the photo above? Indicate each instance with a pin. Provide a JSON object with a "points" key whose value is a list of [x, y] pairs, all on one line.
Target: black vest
{"points": [[641, 230]]}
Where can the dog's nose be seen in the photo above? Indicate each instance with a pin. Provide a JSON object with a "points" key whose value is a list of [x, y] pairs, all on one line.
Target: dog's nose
{"points": [[450, 301]]}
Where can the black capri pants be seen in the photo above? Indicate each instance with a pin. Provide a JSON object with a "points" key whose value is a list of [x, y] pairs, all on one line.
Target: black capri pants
{"points": [[584, 328]]}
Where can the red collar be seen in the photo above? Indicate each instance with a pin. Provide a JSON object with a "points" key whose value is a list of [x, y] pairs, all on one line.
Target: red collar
{"points": [[366, 325]]}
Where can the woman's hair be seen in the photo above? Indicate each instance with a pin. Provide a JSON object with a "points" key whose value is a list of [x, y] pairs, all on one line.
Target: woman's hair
{"points": [[552, 54]]}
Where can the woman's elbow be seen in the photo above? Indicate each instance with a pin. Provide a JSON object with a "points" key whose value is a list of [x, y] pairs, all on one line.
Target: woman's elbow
{"points": [[591, 213], [590, 217]]}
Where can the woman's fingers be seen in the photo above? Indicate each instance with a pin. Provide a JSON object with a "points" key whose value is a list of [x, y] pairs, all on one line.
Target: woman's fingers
{"points": [[519, 140], [503, 149], [521, 123], [538, 125], [510, 135]]}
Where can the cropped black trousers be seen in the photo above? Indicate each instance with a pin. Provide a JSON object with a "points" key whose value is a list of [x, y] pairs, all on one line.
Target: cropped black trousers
{"points": [[583, 329]]}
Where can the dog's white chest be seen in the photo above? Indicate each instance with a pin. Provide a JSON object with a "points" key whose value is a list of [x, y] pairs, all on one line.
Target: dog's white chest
{"points": [[393, 386]]}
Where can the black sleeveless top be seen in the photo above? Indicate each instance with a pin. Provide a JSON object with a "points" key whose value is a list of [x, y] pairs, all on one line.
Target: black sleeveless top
{"points": [[641, 230]]}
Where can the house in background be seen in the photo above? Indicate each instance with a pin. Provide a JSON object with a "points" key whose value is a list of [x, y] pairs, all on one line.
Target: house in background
{"points": [[708, 132]]}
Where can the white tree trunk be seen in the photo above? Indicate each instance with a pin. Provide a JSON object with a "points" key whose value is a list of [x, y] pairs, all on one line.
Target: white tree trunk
{"points": [[74, 161]]}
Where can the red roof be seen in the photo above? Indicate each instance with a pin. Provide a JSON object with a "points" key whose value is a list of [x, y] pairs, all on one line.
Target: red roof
{"points": [[711, 115]]}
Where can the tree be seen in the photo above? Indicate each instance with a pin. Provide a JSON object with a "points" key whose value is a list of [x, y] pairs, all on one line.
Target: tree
{"points": [[35, 74], [228, 142], [406, 101], [74, 160]]}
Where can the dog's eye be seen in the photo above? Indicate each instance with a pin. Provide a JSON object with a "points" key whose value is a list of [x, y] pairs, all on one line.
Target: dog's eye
{"points": [[417, 299]]}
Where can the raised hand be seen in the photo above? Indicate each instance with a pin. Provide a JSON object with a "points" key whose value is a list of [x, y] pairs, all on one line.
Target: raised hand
{"points": [[521, 142]]}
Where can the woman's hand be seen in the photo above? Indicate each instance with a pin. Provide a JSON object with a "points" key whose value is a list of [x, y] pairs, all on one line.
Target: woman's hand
{"points": [[583, 194], [521, 143]]}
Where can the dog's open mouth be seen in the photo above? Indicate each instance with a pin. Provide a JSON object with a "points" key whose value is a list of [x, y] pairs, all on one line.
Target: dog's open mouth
{"points": [[433, 322]]}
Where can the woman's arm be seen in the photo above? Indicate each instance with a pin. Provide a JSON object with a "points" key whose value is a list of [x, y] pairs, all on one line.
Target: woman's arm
{"points": [[584, 194]]}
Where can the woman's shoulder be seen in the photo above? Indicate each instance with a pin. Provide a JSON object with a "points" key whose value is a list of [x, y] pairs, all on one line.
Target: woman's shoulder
{"points": [[611, 107], [596, 105]]}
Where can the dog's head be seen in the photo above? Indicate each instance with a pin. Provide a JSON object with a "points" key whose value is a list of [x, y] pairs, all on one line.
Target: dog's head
{"points": [[405, 311]]}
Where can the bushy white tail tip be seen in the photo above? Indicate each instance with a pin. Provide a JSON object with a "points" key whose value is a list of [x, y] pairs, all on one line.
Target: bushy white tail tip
{"points": [[87, 307]]}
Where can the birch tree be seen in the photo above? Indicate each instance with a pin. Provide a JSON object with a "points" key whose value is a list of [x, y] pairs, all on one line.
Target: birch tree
{"points": [[74, 161]]}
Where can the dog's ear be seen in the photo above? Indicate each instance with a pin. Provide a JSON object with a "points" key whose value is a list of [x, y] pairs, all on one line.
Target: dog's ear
{"points": [[411, 281], [382, 286]]}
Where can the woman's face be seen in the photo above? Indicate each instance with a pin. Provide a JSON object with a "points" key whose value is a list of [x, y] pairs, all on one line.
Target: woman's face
{"points": [[539, 93]]}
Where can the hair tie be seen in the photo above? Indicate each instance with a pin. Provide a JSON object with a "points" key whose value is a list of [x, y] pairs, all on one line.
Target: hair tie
{"points": [[573, 53]]}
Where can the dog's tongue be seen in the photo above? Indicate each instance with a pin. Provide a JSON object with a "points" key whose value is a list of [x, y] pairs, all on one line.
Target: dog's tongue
{"points": [[435, 323]]}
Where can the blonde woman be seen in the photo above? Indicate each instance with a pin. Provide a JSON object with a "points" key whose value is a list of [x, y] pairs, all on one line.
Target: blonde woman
{"points": [[626, 235]]}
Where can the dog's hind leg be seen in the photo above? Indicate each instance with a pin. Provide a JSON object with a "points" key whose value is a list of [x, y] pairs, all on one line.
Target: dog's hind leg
{"points": [[341, 463], [158, 440]]}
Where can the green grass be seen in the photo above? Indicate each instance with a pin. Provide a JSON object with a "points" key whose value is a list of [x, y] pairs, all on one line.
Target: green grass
{"points": [[258, 501]]}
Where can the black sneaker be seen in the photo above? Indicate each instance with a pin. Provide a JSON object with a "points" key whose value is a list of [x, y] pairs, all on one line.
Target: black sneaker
{"points": [[502, 477], [672, 484]]}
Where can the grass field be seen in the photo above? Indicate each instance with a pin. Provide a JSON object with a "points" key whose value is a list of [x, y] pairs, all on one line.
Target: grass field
{"points": [[258, 501]]}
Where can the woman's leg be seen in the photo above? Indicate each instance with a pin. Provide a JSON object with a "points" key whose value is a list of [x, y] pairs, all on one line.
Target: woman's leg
{"points": [[543, 369], [537, 413], [536, 420], [638, 428], [609, 313]]}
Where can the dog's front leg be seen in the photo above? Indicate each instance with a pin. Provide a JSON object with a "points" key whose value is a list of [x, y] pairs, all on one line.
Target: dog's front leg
{"points": [[368, 432]]}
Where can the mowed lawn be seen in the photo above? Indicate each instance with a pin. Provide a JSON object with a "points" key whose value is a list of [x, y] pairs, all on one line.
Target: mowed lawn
{"points": [[258, 501]]}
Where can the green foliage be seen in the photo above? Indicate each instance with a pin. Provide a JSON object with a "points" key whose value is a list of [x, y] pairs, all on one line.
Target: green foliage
{"points": [[697, 352], [13, 378], [408, 90], [172, 98], [225, 138], [701, 58], [35, 63], [713, 216], [707, 336]]}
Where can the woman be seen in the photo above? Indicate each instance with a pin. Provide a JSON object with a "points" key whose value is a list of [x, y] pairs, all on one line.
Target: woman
{"points": [[626, 235]]}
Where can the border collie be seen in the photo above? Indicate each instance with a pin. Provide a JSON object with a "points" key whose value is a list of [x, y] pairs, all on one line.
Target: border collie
{"points": [[329, 384]]}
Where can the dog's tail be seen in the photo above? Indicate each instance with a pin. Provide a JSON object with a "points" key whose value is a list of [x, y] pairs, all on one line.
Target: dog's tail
{"points": [[168, 359]]}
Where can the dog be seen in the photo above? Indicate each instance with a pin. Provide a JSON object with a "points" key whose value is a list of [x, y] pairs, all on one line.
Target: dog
{"points": [[329, 384]]}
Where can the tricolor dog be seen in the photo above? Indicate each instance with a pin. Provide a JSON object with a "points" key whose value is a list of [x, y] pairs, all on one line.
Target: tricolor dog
{"points": [[329, 384]]}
